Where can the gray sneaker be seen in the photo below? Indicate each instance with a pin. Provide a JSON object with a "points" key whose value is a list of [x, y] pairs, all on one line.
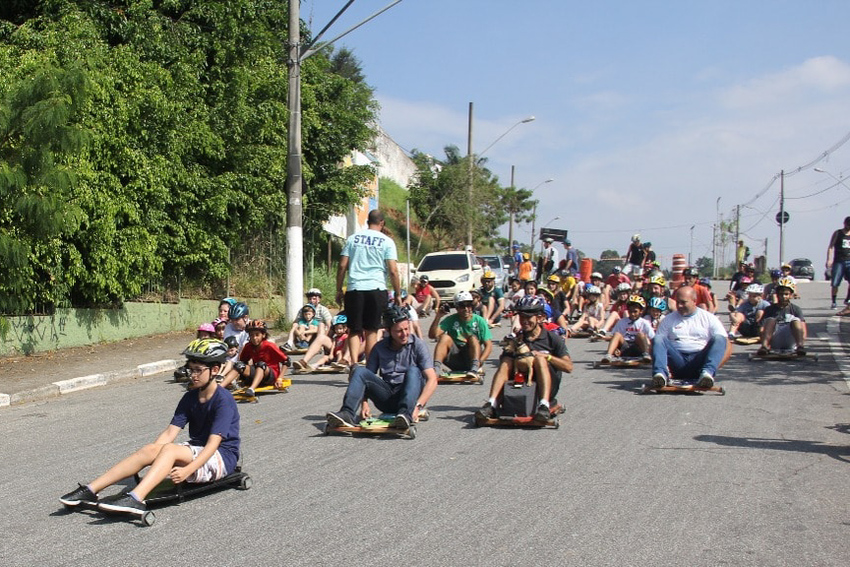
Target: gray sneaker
{"points": [[340, 419], [401, 421], [82, 495], [659, 380]]}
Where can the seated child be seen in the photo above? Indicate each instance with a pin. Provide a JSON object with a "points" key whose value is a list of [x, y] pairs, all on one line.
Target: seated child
{"points": [[219, 324], [228, 372], [305, 329], [783, 323], [655, 311], [593, 315], [746, 318], [617, 310], [263, 363], [632, 335], [333, 348], [205, 331], [210, 453]]}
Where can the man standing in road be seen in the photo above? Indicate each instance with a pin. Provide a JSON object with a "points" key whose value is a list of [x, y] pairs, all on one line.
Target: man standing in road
{"points": [[368, 257], [550, 259], [570, 259], [691, 343], [838, 259]]}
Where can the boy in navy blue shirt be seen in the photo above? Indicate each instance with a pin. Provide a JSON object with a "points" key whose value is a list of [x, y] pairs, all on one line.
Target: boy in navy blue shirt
{"points": [[210, 454]]}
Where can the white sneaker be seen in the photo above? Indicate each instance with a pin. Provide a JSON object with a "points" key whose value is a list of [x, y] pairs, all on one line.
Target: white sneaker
{"points": [[659, 380], [706, 380]]}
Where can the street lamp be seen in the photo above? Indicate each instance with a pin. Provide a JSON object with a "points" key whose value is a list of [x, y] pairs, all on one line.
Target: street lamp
{"points": [[838, 179], [534, 213], [471, 164]]}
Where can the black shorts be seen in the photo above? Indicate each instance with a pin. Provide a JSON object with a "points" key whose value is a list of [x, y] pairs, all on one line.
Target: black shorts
{"points": [[364, 309]]}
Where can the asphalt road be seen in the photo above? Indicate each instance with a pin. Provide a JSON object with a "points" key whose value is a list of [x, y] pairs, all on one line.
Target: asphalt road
{"points": [[755, 477]]}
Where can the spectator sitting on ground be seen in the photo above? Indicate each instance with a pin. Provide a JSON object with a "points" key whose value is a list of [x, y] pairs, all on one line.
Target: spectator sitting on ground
{"points": [[559, 298], [424, 297], [593, 314], [617, 310], [314, 298], [219, 324], [224, 308], [513, 294], [463, 339], [205, 331], [305, 329], [333, 348]]}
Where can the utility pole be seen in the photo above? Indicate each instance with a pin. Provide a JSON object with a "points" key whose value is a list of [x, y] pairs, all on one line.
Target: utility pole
{"points": [[294, 209], [533, 220], [511, 221], [471, 166], [781, 217]]}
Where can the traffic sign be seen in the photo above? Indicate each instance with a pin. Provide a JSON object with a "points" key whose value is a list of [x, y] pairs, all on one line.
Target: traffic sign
{"points": [[556, 234], [782, 218]]}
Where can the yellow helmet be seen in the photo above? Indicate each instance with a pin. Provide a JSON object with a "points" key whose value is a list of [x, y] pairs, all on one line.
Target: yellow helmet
{"points": [[553, 278], [488, 275], [658, 279], [790, 283], [638, 300]]}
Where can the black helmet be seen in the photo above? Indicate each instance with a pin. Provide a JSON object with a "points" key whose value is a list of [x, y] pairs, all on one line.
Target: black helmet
{"points": [[530, 304], [207, 351], [231, 342], [395, 314], [237, 311], [424, 278]]}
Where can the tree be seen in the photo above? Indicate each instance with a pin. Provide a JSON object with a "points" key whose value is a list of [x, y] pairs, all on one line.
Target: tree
{"points": [[705, 266], [609, 259]]}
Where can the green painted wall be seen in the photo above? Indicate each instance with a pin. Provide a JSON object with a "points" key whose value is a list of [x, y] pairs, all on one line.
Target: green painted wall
{"points": [[80, 327]]}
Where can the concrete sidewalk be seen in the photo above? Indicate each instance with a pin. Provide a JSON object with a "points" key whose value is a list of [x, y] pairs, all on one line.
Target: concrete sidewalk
{"points": [[45, 375]]}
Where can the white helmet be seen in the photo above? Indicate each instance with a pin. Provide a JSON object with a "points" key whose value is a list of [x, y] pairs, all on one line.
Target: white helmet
{"points": [[594, 290], [463, 297], [596, 275], [636, 237], [755, 288], [624, 287]]}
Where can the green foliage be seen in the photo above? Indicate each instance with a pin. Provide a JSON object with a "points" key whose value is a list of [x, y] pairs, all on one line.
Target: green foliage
{"points": [[705, 266], [144, 142]]}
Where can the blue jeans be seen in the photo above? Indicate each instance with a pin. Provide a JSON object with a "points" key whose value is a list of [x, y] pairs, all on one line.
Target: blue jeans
{"points": [[388, 398], [687, 366]]}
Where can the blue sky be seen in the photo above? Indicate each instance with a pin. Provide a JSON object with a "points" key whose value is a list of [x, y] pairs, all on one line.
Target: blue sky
{"points": [[646, 112]]}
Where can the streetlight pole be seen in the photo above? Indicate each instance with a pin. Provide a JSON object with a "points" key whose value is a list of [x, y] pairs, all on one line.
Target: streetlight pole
{"points": [[471, 166], [838, 179]]}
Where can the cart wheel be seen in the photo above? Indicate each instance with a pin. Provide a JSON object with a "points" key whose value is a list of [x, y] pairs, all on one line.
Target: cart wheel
{"points": [[411, 432], [148, 518], [245, 482], [326, 430], [722, 391], [557, 423]]}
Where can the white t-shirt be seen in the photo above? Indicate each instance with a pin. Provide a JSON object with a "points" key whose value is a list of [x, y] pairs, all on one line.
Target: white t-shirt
{"points": [[691, 333], [630, 329]]}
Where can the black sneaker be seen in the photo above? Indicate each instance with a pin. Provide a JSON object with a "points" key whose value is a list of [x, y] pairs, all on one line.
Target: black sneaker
{"points": [[543, 413], [121, 503], [340, 419], [486, 412], [79, 496], [401, 421]]}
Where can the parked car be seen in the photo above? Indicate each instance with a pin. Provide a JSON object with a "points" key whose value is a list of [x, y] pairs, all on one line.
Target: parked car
{"points": [[450, 272], [496, 264], [802, 268]]}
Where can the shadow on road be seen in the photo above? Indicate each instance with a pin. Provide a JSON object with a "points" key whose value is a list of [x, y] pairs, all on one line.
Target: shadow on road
{"points": [[841, 453]]}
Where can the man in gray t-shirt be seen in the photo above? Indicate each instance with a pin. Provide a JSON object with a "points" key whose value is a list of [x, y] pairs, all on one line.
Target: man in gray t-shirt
{"points": [[406, 382]]}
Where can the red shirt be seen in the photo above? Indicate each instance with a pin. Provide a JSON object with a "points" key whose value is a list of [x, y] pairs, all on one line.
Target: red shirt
{"points": [[267, 352], [421, 293], [616, 279]]}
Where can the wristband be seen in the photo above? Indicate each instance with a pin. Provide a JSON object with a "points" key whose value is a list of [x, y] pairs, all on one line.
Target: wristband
{"points": [[548, 358]]}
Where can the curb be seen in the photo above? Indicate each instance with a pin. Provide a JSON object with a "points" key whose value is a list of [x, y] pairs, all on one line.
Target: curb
{"points": [[63, 387]]}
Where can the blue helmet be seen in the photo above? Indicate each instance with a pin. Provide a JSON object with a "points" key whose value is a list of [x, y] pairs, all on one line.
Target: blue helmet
{"points": [[237, 311], [341, 319], [775, 273], [658, 303], [530, 304]]}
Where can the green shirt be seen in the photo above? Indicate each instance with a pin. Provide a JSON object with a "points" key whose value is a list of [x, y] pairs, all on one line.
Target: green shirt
{"points": [[458, 329], [496, 293]]}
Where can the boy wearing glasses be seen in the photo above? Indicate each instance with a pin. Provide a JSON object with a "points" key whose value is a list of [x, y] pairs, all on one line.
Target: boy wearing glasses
{"points": [[210, 454], [463, 339]]}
